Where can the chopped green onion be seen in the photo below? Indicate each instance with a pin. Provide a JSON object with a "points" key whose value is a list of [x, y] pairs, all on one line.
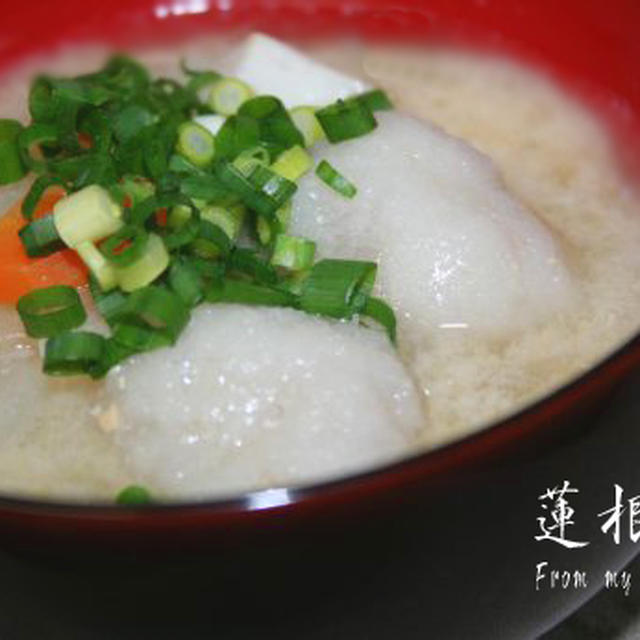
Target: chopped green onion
{"points": [[128, 148], [35, 193], [263, 229], [338, 288], [11, 165], [51, 310], [103, 271], [179, 164], [294, 281], [185, 280], [293, 163], [133, 189], [113, 354], [248, 262], [130, 121], [262, 189], [72, 353], [268, 228], [157, 309], [259, 153], [40, 237], [199, 79], [236, 135], [203, 187], [228, 94], [134, 339], [29, 140], [178, 216], [210, 270], [110, 304], [304, 118], [335, 179], [149, 264], [240, 292], [142, 212], [133, 495], [375, 100], [229, 219], [196, 144], [382, 313], [211, 241], [87, 215], [40, 99], [344, 120], [125, 246], [276, 129], [293, 253], [185, 235]]}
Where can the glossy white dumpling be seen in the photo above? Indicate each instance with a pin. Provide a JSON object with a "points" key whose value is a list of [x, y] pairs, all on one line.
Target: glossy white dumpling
{"points": [[262, 397], [453, 247], [274, 68]]}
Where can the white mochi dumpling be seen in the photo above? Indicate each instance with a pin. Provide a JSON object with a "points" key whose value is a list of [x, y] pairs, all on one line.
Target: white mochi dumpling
{"points": [[262, 397], [273, 68], [454, 248]]}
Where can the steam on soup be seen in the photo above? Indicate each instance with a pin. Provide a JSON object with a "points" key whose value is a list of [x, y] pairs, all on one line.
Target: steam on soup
{"points": [[485, 211]]}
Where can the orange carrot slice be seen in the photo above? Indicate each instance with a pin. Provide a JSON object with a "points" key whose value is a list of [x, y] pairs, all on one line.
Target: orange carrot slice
{"points": [[20, 274]]}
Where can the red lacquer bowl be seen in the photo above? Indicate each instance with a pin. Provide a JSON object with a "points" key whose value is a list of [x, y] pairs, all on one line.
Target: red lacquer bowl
{"points": [[473, 501]]}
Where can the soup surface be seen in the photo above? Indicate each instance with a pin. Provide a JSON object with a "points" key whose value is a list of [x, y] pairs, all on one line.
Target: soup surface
{"points": [[335, 414]]}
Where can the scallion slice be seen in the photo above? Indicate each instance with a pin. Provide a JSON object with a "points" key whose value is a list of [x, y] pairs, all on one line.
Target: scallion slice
{"points": [[157, 309], [125, 246], [293, 253], [228, 94], [211, 241], [293, 163], [196, 144], [72, 353], [203, 187], [35, 193], [133, 496], [134, 339], [109, 304], [29, 140], [11, 165], [268, 228], [236, 135], [40, 237], [241, 292], [229, 219], [185, 235], [276, 128], [51, 310], [375, 100], [304, 118], [185, 280], [262, 189], [250, 263], [378, 310], [149, 264], [335, 179], [338, 288], [344, 120]]}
